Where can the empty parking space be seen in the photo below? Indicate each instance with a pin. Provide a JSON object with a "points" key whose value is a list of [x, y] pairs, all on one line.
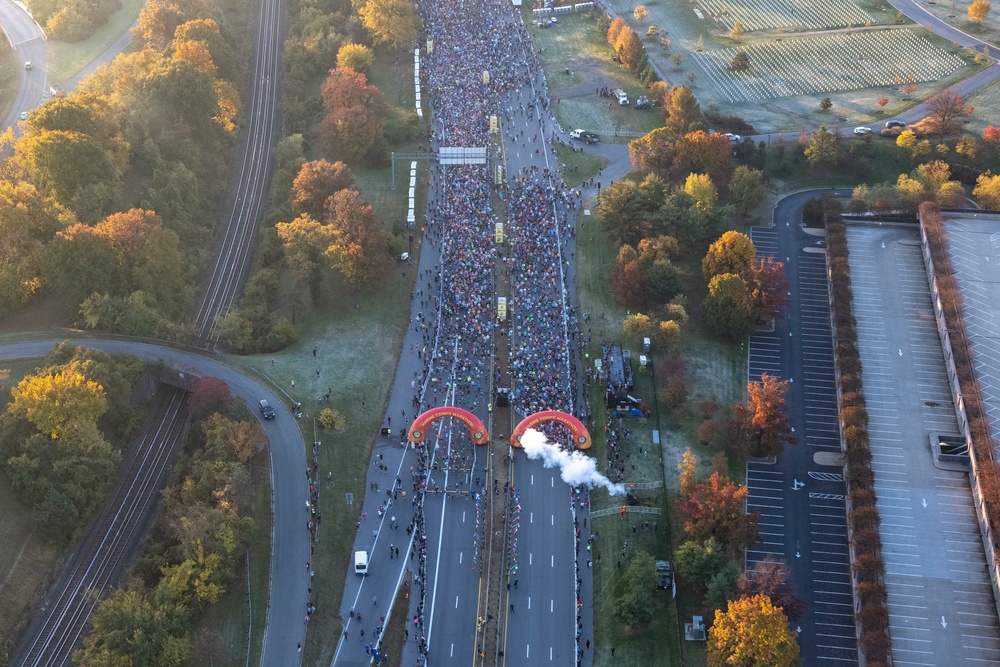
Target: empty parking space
{"points": [[801, 506], [941, 605]]}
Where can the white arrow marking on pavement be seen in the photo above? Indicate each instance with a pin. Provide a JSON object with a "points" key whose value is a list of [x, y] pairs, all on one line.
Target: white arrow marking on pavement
{"points": [[796, 485], [793, 429], [798, 555], [944, 623], [925, 503], [900, 352], [798, 628]]}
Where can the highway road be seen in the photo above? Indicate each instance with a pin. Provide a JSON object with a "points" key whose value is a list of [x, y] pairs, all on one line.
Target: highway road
{"points": [[28, 42]]}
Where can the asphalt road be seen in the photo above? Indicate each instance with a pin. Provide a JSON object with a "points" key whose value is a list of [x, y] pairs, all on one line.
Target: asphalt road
{"points": [[800, 496], [29, 43], [289, 488]]}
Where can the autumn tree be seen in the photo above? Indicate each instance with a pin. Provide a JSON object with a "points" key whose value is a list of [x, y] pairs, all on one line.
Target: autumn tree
{"points": [[747, 188], [702, 190], [653, 152], [631, 50], [704, 153], [979, 10], [56, 402], [991, 134], [733, 252], [987, 191], [714, 509], [638, 326], [357, 57], [752, 632], [359, 247], [821, 151], [640, 12], [391, 22], [29, 220], [737, 31], [125, 253], [681, 111], [205, 31], [626, 278], [209, 395], [688, 473], [768, 288], [770, 577], [627, 206], [353, 127], [762, 426], [316, 182], [616, 30], [226, 438], [945, 112], [726, 310]]}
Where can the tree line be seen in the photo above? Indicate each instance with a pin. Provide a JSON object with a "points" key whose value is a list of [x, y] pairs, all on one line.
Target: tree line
{"points": [[112, 192], [320, 230], [198, 541]]}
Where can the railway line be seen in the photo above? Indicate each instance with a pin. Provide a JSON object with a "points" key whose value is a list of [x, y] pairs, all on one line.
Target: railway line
{"points": [[246, 207], [102, 556]]}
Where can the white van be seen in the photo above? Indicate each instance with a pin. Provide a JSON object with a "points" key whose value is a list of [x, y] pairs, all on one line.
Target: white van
{"points": [[360, 562], [621, 96]]}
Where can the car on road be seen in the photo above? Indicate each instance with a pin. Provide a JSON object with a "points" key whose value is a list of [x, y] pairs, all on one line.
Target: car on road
{"points": [[361, 562], [266, 410], [733, 138], [862, 130], [894, 123], [27, 65], [24, 115]]}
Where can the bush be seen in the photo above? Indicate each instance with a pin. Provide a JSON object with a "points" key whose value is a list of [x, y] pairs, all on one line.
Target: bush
{"points": [[332, 420]]}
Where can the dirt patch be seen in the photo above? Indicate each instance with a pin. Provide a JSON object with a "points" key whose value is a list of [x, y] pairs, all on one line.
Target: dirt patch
{"points": [[54, 311]]}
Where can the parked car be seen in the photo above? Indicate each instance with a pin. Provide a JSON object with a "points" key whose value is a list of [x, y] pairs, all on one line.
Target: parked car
{"points": [[27, 65], [862, 130], [894, 123], [585, 135], [665, 574], [24, 115], [733, 138], [266, 410]]}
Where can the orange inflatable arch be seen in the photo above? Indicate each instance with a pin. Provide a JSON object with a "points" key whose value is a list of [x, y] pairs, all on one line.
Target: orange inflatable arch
{"points": [[418, 429], [581, 436]]}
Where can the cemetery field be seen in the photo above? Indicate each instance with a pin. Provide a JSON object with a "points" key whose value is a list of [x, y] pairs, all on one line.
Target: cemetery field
{"points": [[843, 61], [795, 63]]}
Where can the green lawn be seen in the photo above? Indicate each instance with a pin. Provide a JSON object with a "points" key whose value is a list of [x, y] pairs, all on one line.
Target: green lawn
{"points": [[67, 58], [10, 71], [577, 44], [577, 166]]}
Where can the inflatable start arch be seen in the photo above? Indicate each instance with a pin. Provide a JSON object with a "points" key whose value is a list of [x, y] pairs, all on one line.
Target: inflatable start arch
{"points": [[418, 429], [581, 436]]}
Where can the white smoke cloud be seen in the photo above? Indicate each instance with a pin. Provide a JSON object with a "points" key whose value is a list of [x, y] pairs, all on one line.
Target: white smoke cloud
{"points": [[575, 467]]}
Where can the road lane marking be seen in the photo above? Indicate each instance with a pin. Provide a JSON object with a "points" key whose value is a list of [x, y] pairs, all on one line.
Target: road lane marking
{"points": [[452, 654], [527, 650], [529, 602], [553, 558], [460, 557], [550, 653], [456, 602], [530, 558], [463, 516], [553, 519], [552, 605], [552, 481], [531, 517]]}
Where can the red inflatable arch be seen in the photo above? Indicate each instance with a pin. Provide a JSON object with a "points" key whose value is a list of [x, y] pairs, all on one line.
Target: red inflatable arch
{"points": [[581, 436], [418, 429]]}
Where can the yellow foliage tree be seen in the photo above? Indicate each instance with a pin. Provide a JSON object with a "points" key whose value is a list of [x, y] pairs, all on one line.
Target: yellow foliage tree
{"points": [[987, 191], [701, 188], [55, 402], [356, 56], [639, 326], [751, 633], [733, 252], [640, 12], [979, 10], [391, 22]]}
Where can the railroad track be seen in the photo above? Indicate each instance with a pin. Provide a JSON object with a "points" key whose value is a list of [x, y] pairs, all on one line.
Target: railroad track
{"points": [[233, 259], [100, 559]]}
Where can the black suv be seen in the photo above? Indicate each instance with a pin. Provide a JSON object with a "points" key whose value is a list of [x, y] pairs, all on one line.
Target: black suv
{"points": [[266, 410]]}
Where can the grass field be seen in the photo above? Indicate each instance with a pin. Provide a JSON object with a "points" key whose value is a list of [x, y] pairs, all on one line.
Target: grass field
{"points": [[955, 14], [67, 58], [10, 71], [789, 14], [577, 44], [577, 166]]}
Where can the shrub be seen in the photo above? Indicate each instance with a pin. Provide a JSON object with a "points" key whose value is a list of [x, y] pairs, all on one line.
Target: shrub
{"points": [[332, 420]]}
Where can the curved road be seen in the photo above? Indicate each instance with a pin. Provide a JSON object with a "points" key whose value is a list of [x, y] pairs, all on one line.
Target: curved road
{"points": [[28, 42]]}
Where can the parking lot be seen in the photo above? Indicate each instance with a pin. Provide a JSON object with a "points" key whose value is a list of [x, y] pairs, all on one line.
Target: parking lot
{"points": [[801, 504], [941, 605]]}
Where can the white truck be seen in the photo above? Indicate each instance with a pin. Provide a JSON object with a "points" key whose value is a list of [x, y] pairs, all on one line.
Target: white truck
{"points": [[361, 562], [621, 96]]}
